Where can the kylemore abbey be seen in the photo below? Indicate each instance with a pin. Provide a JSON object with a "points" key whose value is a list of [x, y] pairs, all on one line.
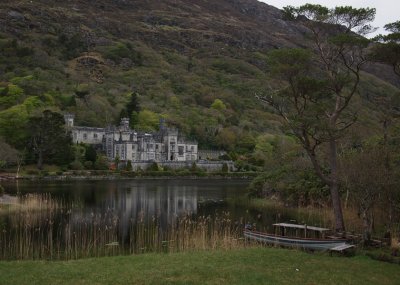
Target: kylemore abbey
{"points": [[167, 146], [127, 144]]}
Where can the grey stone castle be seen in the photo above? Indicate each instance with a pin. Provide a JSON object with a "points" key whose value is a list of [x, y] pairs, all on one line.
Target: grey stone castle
{"points": [[166, 145]]}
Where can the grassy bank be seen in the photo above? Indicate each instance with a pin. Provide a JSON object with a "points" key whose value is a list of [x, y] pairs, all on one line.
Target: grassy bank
{"points": [[243, 266]]}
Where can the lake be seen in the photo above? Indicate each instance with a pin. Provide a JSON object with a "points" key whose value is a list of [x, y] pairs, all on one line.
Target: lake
{"points": [[82, 218]]}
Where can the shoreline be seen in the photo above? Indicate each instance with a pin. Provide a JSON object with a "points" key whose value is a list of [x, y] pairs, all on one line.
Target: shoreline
{"points": [[130, 176]]}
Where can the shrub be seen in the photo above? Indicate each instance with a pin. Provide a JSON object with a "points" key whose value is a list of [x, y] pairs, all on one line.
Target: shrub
{"points": [[76, 165], [128, 166], [88, 164], [32, 172], [153, 167], [101, 163]]}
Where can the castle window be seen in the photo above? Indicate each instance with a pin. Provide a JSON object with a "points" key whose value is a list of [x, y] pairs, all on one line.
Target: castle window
{"points": [[180, 150], [95, 136], [85, 136]]}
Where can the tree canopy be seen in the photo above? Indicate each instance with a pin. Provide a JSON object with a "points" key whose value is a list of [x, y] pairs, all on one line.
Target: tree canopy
{"points": [[315, 104], [387, 49], [49, 141]]}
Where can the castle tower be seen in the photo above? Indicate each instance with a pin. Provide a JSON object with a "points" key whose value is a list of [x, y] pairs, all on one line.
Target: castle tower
{"points": [[69, 120], [125, 124]]}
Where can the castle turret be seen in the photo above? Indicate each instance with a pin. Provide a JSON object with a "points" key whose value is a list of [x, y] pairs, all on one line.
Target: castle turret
{"points": [[69, 120], [124, 124]]}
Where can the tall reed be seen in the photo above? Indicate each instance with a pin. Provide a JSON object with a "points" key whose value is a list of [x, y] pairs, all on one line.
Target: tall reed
{"points": [[42, 228]]}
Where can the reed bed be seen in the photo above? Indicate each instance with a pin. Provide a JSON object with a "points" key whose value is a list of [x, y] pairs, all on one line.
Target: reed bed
{"points": [[42, 228]]}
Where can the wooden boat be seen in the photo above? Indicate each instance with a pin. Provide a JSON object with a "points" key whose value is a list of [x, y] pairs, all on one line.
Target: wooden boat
{"points": [[305, 242]]}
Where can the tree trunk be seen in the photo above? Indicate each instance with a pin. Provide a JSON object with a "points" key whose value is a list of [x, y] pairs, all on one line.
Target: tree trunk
{"points": [[366, 227], [334, 188], [40, 160]]}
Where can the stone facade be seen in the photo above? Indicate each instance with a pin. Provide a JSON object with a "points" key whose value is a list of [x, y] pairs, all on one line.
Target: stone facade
{"points": [[129, 145]]}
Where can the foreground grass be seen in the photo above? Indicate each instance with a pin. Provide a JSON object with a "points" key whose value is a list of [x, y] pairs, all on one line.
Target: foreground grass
{"points": [[244, 266]]}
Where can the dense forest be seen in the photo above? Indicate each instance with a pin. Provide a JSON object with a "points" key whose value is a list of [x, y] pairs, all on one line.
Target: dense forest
{"points": [[209, 69]]}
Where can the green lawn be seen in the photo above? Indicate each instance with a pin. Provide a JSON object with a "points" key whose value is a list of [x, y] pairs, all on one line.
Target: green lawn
{"points": [[244, 266]]}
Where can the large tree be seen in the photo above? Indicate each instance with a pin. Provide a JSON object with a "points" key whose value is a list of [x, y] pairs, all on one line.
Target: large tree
{"points": [[49, 141], [315, 104], [132, 110], [387, 49]]}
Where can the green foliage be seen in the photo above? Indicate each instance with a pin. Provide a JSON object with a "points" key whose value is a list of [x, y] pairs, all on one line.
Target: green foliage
{"points": [[132, 110], [101, 163], [218, 104], [8, 155], [387, 49], [10, 95], [154, 167], [226, 139], [300, 187], [88, 165], [48, 140], [175, 77], [121, 51], [13, 125], [148, 121], [90, 153], [82, 90], [194, 167], [76, 165], [356, 19], [79, 152], [72, 45], [128, 166]]}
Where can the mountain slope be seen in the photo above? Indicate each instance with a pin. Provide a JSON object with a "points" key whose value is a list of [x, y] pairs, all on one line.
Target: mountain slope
{"points": [[85, 57]]}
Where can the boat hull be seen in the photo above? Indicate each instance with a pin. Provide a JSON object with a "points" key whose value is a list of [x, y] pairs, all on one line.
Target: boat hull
{"points": [[303, 243]]}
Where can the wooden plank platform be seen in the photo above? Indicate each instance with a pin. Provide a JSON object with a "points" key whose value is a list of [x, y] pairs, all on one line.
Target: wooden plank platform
{"points": [[342, 247]]}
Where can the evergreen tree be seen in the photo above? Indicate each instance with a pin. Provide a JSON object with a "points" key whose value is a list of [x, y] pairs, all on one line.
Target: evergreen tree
{"points": [[48, 140], [90, 153], [132, 110], [387, 49]]}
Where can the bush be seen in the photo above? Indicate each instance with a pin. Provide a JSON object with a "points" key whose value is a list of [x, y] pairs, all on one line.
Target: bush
{"points": [[101, 163], [32, 172], [88, 164], [76, 165], [128, 166], [153, 167]]}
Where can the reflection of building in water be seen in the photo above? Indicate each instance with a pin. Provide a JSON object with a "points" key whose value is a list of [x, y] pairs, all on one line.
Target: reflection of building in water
{"points": [[164, 201], [163, 204]]}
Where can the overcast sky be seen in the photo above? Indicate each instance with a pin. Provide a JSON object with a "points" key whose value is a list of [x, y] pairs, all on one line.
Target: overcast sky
{"points": [[387, 11]]}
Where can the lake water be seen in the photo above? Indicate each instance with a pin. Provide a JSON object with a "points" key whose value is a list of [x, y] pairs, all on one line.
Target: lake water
{"points": [[164, 198], [77, 215]]}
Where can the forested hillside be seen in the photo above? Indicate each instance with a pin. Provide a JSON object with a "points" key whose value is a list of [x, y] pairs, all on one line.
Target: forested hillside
{"points": [[196, 63]]}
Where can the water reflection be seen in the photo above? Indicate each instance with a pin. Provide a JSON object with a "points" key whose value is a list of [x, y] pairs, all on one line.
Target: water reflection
{"points": [[136, 199], [75, 219]]}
